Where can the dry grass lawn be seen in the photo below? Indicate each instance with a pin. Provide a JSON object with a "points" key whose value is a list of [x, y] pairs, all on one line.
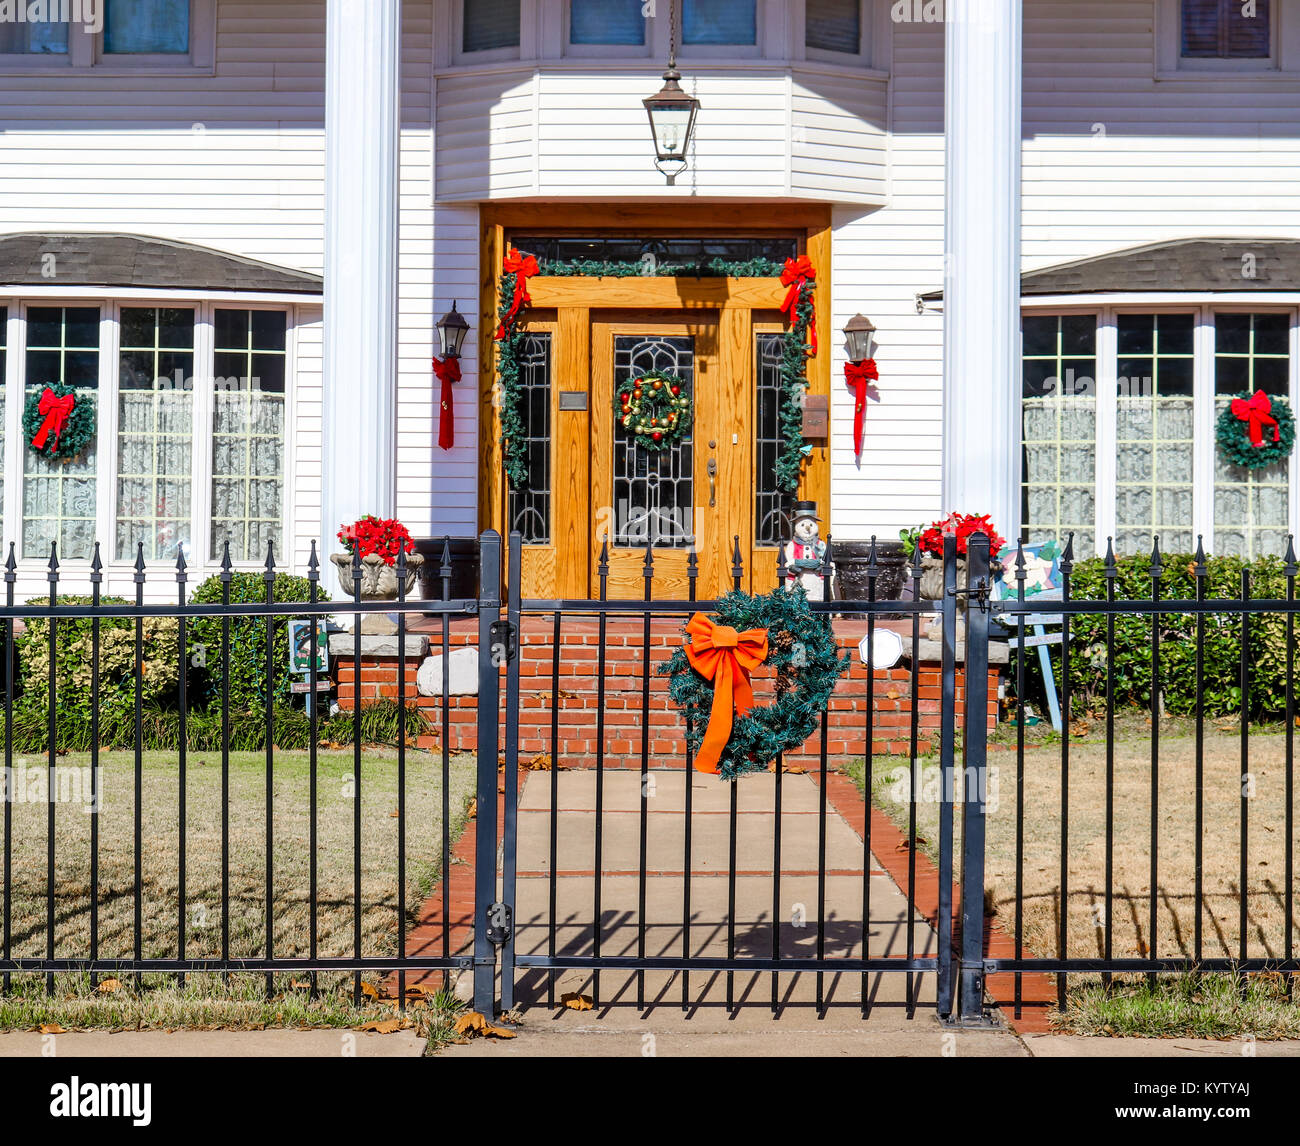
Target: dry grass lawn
{"points": [[1175, 843], [202, 909]]}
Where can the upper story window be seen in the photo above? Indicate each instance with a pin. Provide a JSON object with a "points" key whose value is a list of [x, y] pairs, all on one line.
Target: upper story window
{"points": [[719, 23], [594, 22], [833, 26], [490, 26], [110, 33], [1232, 37], [1226, 30], [147, 27]]}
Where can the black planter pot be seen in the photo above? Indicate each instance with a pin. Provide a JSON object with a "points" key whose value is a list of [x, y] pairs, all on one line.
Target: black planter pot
{"points": [[852, 562], [464, 567]]}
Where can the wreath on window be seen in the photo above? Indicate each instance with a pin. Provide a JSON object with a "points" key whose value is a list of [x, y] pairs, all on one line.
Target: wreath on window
{"points": [[709, 679], [1255, 430], [57, 423], [655, 409]]}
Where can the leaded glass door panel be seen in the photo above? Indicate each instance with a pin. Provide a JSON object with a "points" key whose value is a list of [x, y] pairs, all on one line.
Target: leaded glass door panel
{"points": [[697, 492]]}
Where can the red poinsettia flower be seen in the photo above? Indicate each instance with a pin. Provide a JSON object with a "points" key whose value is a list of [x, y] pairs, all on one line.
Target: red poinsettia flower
{"points": [[384, 537], [961, 526]]}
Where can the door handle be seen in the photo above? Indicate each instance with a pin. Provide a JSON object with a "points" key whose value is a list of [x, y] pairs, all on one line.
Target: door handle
{"points": [[713, 482]]}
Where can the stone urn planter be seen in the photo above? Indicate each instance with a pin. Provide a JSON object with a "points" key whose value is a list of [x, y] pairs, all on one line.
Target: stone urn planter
{"points": [[378, 583], [932, 578]]}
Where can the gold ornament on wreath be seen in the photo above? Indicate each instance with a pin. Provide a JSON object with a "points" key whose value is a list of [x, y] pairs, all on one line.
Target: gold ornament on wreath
{"points": [[654, 409]]}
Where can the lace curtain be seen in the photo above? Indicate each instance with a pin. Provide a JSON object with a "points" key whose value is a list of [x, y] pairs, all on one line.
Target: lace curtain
{"points": [[154, 464], [248, 473]]}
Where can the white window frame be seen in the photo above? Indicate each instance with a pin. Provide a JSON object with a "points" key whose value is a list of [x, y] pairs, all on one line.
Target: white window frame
{"points": [[1284, 48], [86, 51], [110, 306], [1203, 346]]}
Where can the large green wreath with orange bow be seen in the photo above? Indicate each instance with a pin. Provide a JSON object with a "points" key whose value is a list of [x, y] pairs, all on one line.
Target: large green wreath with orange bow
{"points": [[655, 409], [796, 646], [58, 423]]}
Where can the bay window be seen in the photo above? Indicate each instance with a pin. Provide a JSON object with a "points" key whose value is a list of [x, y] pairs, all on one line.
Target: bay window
{"points": [[1118, 428], [191, 418]]}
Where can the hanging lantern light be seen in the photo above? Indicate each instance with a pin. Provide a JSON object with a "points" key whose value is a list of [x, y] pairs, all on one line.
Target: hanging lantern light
{"points": [[672, 116]]}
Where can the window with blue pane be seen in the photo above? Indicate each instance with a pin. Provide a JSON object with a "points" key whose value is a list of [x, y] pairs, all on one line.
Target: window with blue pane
{"points": [[606, 22], [147, 27], [34, 38], [719, 22]]}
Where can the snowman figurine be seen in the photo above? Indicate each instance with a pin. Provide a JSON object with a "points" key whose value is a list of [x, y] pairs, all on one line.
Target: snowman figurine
{"points": [[805, 553]]}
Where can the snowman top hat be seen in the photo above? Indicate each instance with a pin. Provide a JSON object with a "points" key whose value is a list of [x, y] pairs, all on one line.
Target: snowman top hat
{"points": [[804, 510]]}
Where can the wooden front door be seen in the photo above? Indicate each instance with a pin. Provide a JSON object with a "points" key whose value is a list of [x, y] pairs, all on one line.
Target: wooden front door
{"points": [[697, 494]]}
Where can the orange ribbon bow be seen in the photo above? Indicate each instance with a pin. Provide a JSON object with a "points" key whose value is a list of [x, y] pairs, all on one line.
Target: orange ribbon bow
{"points": [[447, 371], [726, 657], [858, 375], [1257, 412], [523, 267], [56, 411], [798, 272]]}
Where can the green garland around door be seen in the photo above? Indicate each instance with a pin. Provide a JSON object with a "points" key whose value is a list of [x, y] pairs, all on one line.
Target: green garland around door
{"points": [[654, 409], [1255, 430], [57, 423], [800, 341], [709, 679]]}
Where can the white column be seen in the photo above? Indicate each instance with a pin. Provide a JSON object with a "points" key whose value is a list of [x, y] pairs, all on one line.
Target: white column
{"points": [[359, 472], [981, 301]]}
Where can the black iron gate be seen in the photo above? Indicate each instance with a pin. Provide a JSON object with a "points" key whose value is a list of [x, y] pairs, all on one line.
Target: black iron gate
{"points": [[623, 640]]}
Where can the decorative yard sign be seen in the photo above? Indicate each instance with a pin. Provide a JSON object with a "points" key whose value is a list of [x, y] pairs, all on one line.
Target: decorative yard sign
{"points": [[1044, 583]]}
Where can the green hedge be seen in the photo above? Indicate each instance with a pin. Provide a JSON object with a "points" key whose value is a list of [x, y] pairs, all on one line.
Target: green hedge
{"points": [[1222, 645], [247, 662], [160, 728], [73, 654]]}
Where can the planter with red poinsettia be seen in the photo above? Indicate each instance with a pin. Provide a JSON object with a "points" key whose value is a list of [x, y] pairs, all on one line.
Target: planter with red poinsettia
{"points": [[376, 543], [930, 543]]}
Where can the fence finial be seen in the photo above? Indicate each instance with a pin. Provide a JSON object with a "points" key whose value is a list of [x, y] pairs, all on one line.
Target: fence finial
{"points": [[1201, 568], [1067, 558], [737, 563], [96, 567], [11, 566], [269, 575], [1157, 569], [1021, 573], [1291, 568], [1112, 567], [139, 563], [313, 564], [180, 563], [226, 566], [54, 561]]}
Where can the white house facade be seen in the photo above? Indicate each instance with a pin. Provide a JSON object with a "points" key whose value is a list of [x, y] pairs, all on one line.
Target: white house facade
{"points": [[231, 227]]}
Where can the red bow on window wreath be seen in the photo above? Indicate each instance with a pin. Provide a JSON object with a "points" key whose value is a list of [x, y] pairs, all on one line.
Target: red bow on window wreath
{"points": [[859, 376], [1256, 412], [55, 411], [448, 372]]}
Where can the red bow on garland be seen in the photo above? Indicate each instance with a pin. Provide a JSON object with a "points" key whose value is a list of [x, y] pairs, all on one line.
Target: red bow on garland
{"points": [[523, 267], [858, 375], [798, 272], [448, 371], [726, 657], [1257, 412], [56, 412]]}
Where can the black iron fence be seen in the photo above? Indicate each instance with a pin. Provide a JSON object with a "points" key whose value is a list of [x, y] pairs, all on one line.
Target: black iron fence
{"points": [[1125, 852]]}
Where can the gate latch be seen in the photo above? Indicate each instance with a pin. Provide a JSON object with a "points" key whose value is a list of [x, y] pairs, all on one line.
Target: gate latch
{"points": [[500, 922], [979, 592], [505, 642]]}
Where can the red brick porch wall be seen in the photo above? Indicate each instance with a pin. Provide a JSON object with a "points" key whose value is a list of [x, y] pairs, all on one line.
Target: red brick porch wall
{"points": [[624, 719]]}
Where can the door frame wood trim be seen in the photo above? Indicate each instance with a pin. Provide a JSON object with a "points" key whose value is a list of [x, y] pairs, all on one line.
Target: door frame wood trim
{"points": [[812, 223]]}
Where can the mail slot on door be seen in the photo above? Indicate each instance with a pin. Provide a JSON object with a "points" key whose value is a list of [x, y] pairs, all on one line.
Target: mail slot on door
{"points": [[573, 399], [816, 416]]}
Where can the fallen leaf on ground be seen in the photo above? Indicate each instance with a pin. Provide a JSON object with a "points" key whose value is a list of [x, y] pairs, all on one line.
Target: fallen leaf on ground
{"points": [[540, 763], [108, 986], [395, 814], [369, 990], [52, 1029], [576, 1002], [298, 985], [795, 770], [383, 1026], [473, 1024], [473, 809]]}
